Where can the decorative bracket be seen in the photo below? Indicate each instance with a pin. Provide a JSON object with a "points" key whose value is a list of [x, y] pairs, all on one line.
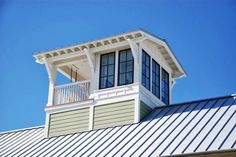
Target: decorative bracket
{"points": [[173, 82], [51, 69], [134, 49], [91, 60]]}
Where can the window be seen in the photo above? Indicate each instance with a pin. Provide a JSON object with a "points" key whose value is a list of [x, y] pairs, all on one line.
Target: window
{"points": [[165, 86], [126, 67], [156, 79], [145, 70], [107, 70]]}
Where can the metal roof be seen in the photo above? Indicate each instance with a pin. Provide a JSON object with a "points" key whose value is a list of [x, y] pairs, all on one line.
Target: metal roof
{"points": [[194, 127]]}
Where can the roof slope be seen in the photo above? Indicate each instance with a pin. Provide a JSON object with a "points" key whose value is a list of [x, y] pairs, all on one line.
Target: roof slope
{"points": [[206, 125]]}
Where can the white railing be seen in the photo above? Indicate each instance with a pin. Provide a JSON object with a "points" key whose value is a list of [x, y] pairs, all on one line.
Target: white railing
{"points": [[72, 92]]}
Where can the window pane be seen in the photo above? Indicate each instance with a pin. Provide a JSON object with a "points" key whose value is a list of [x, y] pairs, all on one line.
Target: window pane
{"points": [[123, 67], [122, 56], [122, 79], [129, 56], [147, 61], [110, 81], [153, 78], [143, 57], [107, 70], [103, 71], [145, 70], [111, 58], [129, 66], [143, 81], [157, 80], [104, 60], [147, 83], [165, 86], [153, 67], [126, 67], [129, 77], [110, 69], [103, 82]]}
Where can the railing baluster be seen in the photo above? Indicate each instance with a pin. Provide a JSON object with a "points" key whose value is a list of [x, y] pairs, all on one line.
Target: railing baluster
{"points": [[70, 93]]}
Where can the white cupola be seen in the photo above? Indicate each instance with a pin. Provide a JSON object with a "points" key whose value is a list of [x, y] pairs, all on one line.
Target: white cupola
{"points": [[115, 81]]}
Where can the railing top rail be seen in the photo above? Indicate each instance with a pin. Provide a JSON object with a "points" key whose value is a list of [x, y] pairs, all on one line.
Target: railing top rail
{"points": [[72, 84]]}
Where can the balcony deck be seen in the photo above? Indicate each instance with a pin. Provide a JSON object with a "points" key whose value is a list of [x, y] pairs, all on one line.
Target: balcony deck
{"points": [[71, 93]]}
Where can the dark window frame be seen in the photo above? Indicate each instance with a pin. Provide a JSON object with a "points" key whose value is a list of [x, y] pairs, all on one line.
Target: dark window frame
{"points": [[101, 66], [144, 65], [156, 75], [126, 73], [165, 86]]}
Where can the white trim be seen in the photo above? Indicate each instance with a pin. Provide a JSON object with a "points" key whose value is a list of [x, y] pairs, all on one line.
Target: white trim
{"points": [[170, 89], [137, 109], [66, 56], [116, 87], [86, 44], [163, 43], [91, 117], [116, 68], [112, 101], [68, 107], [71, 84], [148, 98]]}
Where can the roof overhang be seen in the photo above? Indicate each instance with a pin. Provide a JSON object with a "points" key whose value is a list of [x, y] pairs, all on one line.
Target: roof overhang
{"points": [[111, 43]]}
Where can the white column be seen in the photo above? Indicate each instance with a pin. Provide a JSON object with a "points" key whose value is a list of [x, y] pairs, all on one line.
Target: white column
{"points": [[51, 69], [116, 68], [50, 94]]}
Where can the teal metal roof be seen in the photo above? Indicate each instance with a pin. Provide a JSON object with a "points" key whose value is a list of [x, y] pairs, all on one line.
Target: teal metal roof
{"points": [[192, 127]]}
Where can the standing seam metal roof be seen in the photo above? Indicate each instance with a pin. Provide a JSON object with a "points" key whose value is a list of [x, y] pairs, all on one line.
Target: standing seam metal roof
{"points": [[194, 127]]}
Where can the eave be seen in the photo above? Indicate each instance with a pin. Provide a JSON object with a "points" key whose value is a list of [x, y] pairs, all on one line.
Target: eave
{"points": [[111, 43]]}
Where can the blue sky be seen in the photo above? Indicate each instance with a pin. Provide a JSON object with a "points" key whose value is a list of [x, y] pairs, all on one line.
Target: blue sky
{"points": [[202, 33]]}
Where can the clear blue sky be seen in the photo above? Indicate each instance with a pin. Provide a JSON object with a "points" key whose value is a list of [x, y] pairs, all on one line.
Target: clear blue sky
{"points": [[202, 33]]}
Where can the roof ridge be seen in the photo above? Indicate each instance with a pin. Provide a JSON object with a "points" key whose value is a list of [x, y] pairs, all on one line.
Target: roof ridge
{"points": [[22, 129]]}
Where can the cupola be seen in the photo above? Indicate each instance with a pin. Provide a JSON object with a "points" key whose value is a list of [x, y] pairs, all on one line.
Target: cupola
{"points": [[114, 81]]}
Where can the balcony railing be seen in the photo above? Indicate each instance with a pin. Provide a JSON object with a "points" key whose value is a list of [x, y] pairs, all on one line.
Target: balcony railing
{"points": [[72, 92]]}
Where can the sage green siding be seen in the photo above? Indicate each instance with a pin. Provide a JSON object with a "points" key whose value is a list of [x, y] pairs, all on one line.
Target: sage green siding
{"points": [[69, 122], [114, 114], [144, 110]]}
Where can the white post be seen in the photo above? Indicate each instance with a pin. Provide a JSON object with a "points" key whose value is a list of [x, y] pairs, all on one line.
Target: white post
{"points": [[52, 78], [50, 93]]}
